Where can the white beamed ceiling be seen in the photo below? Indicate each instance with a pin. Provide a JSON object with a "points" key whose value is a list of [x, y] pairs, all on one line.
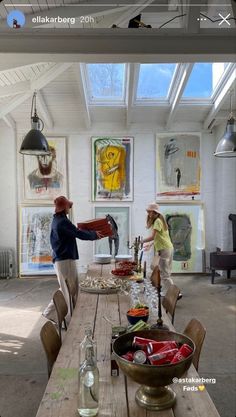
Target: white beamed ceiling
{"points": [[63, 102]]}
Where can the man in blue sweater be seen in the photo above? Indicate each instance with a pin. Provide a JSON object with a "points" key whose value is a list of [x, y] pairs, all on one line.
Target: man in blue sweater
{"points": [[64, 249]]}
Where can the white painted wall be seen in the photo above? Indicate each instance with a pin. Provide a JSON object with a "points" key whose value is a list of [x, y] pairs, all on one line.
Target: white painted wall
{"points": [[8, 189], [225, 195], [218, 182]]}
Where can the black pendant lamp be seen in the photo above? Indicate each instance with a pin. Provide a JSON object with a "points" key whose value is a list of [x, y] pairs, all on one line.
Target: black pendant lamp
{"points": [[226, 148], [35, 142]]}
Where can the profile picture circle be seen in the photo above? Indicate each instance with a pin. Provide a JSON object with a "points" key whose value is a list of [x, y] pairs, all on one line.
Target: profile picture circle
{"points": [[16, 19]]}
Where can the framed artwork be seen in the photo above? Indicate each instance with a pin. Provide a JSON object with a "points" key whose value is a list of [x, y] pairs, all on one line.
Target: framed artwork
{"points": [[118, 244], [45, 177], [178, 166], [112, 168], [187, 232], [35, 248]]}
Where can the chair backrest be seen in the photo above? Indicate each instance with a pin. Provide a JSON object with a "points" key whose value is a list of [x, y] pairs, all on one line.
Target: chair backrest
{"points": [[61, 309], [51, 343], [155, 277], [72, 286], [170, 300], [196, 331]]}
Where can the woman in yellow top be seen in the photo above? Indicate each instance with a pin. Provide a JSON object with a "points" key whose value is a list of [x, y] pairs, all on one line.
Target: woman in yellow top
{"points": [[162, 244]]}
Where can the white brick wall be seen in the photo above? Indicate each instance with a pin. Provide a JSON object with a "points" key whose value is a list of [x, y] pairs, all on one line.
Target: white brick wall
{"points": [[225, 195], [8, 204]]}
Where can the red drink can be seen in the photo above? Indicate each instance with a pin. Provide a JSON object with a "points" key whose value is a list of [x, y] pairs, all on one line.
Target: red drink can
{"points": [[154, 347], [162, 357], [141, 342], [182, 353], [128, 356]]}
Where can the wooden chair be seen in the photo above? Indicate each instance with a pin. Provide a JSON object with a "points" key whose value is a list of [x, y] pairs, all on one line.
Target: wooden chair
{"points": [[170, 300], [61, 309], [51, 343], [196, 332], [72, 286], [155, 277]]}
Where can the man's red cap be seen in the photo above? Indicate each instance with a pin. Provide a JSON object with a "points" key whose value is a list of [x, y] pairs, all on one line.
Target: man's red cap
{"points": [[62, 203]]}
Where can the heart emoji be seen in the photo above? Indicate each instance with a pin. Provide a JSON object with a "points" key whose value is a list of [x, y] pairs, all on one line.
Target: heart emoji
{"points": [[201, 387]]}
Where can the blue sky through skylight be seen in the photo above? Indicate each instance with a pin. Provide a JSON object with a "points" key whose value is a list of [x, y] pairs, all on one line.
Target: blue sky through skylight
{"points": [[154, 80], [106, 81], [200, 83]]}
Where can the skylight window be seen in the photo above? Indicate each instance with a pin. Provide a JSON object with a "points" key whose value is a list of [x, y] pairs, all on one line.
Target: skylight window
{"points": [[106, 82], [200, 83], [154, 81]]}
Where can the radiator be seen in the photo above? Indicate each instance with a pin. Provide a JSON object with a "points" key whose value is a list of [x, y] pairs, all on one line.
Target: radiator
{"points": [[6, 263]]}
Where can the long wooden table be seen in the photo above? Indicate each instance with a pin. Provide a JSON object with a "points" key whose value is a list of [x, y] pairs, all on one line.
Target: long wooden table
{"points": [[116, 394]]}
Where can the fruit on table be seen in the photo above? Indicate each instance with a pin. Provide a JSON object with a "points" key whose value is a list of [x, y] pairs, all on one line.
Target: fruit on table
{"points": [[121, 272]]}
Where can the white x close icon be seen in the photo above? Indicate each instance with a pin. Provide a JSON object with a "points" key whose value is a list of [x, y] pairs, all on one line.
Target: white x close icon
{"points": [[224, 19]]}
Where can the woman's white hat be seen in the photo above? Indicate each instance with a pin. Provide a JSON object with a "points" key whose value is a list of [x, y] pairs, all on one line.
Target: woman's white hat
{"points": [[153, 207]]}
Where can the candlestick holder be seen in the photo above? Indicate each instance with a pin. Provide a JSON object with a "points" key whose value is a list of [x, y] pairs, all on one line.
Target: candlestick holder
{"points": [[137, 245], [159, 324]]}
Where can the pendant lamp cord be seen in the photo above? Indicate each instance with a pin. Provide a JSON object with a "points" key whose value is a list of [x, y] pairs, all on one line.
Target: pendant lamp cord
{"points": [[34, 110], [231, 109]]}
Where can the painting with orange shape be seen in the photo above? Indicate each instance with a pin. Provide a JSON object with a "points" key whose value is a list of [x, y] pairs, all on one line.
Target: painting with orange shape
{"points": [[178, 167], [112, 168]]}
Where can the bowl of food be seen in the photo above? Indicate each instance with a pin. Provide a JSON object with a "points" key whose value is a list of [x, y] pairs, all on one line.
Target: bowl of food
{"points": [[136, 314], [120, 258], [102, 258], [127, 264], [122, 272], [154, 369]]}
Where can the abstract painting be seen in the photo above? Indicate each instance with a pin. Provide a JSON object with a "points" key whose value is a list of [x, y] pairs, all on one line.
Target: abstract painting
{"points": [[112, 168], [45, 176], [119, 244], [178, 166], [35, 248], [186, 229]]}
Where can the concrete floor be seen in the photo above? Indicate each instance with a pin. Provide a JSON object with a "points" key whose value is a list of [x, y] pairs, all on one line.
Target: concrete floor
{"points": [[23, 374]]}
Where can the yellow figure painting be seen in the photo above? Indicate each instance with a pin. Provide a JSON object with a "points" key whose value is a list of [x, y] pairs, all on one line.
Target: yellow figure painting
{"points": [[111, 160]]}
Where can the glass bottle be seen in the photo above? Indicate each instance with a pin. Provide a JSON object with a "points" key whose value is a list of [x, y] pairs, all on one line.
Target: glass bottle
{"points": [[88, 385], [87, 341]]}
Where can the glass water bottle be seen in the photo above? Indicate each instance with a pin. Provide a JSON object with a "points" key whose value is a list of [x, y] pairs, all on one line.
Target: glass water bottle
{"points": [[87, 341], [88, 385]]}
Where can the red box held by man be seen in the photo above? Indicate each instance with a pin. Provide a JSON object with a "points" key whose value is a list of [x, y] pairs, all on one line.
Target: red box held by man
{"points": [[98, 225]]}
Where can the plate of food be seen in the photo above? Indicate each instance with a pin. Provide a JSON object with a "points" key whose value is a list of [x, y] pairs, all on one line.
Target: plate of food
{"points": [[102, 285]]}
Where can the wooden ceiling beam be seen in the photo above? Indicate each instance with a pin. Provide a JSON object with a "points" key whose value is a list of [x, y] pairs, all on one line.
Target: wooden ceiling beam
{"points": [[106, 45], [179, 86], [44, 112], [37, 84], [81, 86], [223, 91], [17, 88]]}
